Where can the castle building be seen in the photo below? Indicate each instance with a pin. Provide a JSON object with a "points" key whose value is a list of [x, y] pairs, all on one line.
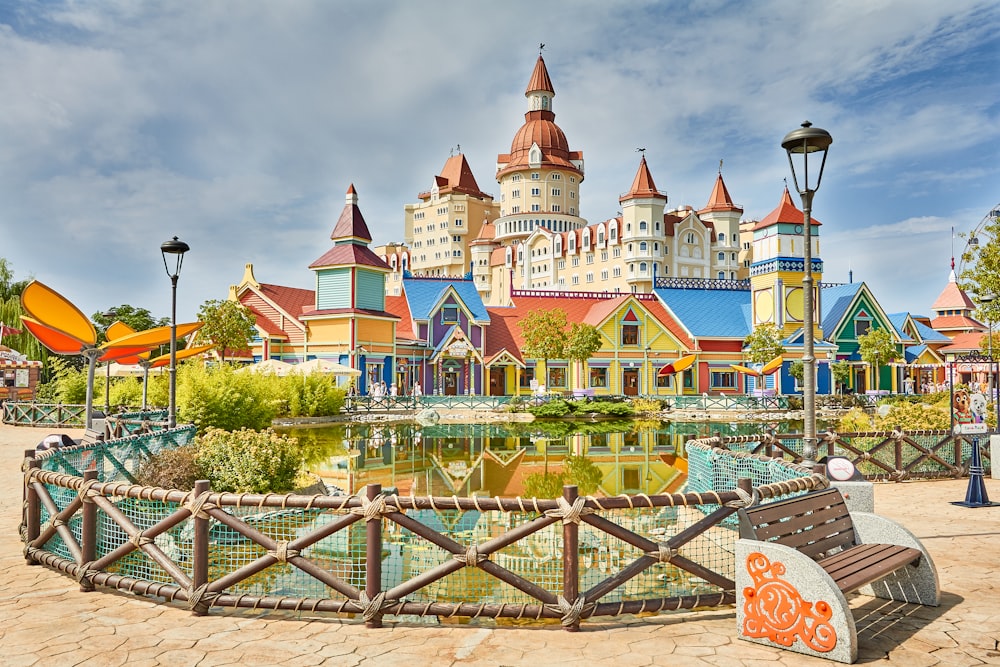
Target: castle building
{"points": [[536, 238]]}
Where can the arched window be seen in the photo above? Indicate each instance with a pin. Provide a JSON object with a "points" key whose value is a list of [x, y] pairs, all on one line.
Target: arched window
{"points": [[642, 267], [643, 246], [642, 225]]}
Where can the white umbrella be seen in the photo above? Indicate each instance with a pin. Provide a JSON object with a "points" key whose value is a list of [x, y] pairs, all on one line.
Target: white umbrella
{"points": [[324, 366], [126, 370], [269, 367]]}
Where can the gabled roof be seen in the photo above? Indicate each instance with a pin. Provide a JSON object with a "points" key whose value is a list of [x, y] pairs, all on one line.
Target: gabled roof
{"points": [[500, 337], [785, 212], [351, 224], [643, 185], [271, 329], [349, 255], [456, 176], [709, 313], [835, 302], [963, 342], [398, 306], [292, 300], [924, 333], [720, 200], [425, 294]]}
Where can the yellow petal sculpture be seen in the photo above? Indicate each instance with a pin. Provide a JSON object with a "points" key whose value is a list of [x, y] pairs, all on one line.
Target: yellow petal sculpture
{"points": [[52, 312], [772, 365], [743, 369], [164, 359]]}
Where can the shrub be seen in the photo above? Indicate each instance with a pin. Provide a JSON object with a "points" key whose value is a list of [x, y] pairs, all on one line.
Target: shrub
{"points": [[313, 395], [646, 405], [248, 461], [172, 469], [554, 408], [616, 408], [222, 398]]}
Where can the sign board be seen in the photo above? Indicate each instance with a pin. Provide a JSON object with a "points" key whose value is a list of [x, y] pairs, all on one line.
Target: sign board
{"points": [[21, 377], [459, 348], [971, 429]]}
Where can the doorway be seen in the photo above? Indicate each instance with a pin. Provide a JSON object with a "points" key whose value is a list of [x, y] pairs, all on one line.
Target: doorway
{"points": [[630, 382], [451, 382], [497, 384]]}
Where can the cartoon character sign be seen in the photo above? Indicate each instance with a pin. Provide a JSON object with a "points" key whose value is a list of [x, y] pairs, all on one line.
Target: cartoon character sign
{"points": [[977, 405], [961, 404]]}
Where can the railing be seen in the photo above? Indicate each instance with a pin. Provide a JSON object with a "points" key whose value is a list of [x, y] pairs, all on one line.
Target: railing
{"points": [[410, 403], [27, 413], [569, 558], [894, 456], [727, 402]]}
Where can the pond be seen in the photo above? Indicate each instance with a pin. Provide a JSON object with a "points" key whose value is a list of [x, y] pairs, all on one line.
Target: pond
{"points": [[604, 458]]}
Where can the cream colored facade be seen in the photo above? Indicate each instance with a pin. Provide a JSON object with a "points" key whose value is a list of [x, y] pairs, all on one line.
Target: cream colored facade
{"points": [[537, 239]]}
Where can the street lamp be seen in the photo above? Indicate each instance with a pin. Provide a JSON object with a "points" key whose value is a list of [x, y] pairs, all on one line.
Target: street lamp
{"points": [[804, 142], [176, 248], [110, 315]]}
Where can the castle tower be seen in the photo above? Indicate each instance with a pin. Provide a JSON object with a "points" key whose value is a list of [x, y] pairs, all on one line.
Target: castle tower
{"points": [[779, 266], [540, 178], [481, 250], [643, 233], [724, 216]]}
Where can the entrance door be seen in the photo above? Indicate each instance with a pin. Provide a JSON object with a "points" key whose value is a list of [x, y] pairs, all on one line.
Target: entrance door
{"points": [[450, 382], [630, 382], [497, 376], [860, 386]]}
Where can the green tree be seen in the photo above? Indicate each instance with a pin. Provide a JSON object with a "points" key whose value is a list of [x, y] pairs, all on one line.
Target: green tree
{"points": [[139, 319], [545, 335], [797, 370], [981, 272], [229, 325], [8, 286], [763, 344], [581, 343], [841, 373], [877, 349]]}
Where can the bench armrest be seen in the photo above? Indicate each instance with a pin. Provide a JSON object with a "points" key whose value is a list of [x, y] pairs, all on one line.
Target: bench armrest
{"points": [[922, 587]]}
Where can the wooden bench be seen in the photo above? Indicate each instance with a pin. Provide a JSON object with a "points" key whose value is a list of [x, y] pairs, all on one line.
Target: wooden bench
{"points": [[796, 560]]}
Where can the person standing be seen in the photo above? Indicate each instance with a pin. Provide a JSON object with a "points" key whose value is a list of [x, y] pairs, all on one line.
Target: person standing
{"points": [[417, 391]]}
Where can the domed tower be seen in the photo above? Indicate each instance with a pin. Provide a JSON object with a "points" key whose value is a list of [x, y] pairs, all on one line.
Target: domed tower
{"points": [[540, 177]]}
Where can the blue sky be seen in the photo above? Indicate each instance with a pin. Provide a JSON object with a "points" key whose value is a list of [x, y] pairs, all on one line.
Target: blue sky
{"points": [[239, 125]]}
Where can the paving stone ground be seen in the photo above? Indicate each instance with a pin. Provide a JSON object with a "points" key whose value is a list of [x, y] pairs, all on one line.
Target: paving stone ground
{"points": [[46, 620]]}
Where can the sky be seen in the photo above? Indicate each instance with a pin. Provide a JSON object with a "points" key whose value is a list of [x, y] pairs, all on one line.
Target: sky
{"points": [[238, 126]]}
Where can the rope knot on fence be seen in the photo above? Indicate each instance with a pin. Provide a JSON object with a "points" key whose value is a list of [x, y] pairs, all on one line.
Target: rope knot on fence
{"points": [[663, 554], [200, 597], [87, 492], [572, 612], [471, 557], [282, 553], [140, 540], [198, 508], [374, 509], [372, 607], [570, 513], [745, 499]]}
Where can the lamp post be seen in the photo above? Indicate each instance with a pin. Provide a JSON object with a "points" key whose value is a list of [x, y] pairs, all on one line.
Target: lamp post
{"points": [[110, 315], [176, 248], [804, 142]]}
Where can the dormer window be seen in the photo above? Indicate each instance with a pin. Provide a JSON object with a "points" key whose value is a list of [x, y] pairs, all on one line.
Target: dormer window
{"points": [[449, 314]]}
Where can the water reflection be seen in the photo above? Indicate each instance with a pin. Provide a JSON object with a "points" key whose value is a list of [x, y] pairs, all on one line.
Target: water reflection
{"points": [[603, 458]]}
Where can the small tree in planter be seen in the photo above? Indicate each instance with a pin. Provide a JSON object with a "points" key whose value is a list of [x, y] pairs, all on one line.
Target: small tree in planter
{"points": [[797, 370]]}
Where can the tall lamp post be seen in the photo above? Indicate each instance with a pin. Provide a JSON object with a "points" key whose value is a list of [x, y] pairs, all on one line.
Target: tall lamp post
{"points": [[176, 248], [110, 315], [802, 143]]}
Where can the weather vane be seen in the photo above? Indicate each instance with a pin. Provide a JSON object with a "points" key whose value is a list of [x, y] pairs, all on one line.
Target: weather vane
{"points": [[541, 46], [720, 165], [641, 150]]}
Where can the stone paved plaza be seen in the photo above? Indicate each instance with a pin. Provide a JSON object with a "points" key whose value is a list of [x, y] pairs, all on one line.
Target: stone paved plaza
{"points": [[46, 620]]}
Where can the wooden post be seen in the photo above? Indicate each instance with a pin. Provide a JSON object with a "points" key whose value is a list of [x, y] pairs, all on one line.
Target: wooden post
{"points": [[373, 556], [199, 549], [898, 448], [88, 533], [32, 508], [571, 557]]}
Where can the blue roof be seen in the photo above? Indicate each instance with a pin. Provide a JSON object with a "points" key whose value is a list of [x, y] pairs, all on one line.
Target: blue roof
{"points": [[710, 313], [913, 352], [835, 301], [925, 332], [423, 294]]}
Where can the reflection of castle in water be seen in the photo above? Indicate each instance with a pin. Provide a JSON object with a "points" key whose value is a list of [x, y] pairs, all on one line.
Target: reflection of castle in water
{"points": [[491, 459]]}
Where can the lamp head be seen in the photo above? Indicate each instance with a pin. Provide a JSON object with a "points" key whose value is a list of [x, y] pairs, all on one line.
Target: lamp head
{"points": [[804, 141], [177, 248]]}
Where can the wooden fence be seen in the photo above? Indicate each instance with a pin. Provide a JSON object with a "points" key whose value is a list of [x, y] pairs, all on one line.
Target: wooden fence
{"points": [[83, 527], [27, 413]]}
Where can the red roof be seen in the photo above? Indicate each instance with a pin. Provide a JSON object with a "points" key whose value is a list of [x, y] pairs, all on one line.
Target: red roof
{"points": [[540, 79], [456, 176], [400, 307], [349, 311], [643, 185], [349, 255], [786, 212], [351, 224], [720, 199], [500, 334], [266, 325], [953, 297], [292, 300], [956, 322], [963, 342]]}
